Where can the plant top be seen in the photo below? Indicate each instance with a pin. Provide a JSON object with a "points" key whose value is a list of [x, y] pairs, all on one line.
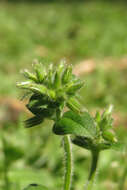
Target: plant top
{"points": [[50, 90]]}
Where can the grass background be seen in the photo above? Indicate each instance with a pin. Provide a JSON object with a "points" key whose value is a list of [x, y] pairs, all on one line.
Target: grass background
{"points": [[51, 31]]}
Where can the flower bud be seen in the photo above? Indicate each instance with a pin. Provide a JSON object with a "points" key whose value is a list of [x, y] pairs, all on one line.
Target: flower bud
{"points": [[98, 117], [40, 72], [57, 80], [41, 89], [51, 94], [67, 75], [29, 75], [74, 105], [109, 136], [74, 86]]}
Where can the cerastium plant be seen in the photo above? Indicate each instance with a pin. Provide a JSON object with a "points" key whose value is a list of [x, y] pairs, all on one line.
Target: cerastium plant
{"points": [[92, 133], [50, 92]]}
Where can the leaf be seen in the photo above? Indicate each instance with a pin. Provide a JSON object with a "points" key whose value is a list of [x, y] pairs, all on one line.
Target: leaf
{"points": [[72, 123], [83, 119], [82, 142], [35, 187]]}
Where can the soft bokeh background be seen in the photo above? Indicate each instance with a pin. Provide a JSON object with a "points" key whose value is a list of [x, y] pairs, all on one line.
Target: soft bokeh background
{"points": [[91, 35]]}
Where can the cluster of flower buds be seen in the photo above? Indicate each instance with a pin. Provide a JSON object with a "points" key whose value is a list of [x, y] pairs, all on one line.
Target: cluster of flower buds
{"points": [[104, 138], [105, 125], [50, 90]]}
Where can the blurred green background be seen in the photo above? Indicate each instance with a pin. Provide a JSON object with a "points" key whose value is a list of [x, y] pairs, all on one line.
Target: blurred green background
{"points": [[91, 35]]}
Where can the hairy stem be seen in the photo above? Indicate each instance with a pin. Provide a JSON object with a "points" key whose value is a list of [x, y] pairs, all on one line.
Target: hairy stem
{"points": [[68, 162], [91, 178]]}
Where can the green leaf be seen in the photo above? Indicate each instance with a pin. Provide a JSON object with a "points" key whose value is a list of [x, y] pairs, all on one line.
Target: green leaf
{"points": [[83, 142], [35, 187], [72, 123], [83, 119]]}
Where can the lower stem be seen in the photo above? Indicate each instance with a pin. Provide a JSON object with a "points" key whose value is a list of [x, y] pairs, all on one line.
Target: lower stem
{"points": [[68, 162], [91, 178]]}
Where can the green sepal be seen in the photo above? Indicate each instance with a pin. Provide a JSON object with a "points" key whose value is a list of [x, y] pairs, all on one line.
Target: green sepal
{"points": [[109, 136], [61, 69], [36, 187], [107, 120], [57, 80], [37, 103], [72, 123], [50, 76], [58, 75], [98, 117], [40, 72], [29, 75], [74, 86], [36, 88], [67, 75], [34, 121], [74, 105]]}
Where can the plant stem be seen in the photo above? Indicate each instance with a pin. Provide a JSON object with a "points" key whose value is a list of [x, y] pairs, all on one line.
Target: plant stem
{"points": [[68, 162], [91, 178]]}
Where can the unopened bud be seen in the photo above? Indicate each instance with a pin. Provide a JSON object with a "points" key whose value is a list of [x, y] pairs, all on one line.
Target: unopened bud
{"points": [[109, 136], [67, 75]]}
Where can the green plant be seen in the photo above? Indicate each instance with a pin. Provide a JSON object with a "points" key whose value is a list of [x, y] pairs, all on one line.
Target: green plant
{"points": [[50, 92], [92, 133]]}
